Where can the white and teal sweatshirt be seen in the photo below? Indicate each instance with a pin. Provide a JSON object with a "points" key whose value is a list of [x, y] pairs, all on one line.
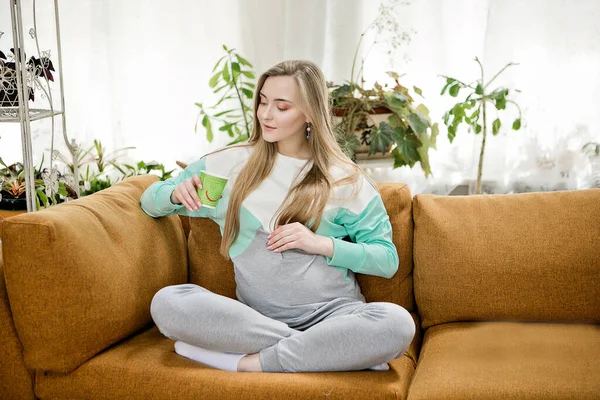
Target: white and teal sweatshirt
{"points": [[359, 227]]}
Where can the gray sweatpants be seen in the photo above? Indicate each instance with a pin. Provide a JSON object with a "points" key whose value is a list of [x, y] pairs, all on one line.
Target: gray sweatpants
{"points": [[299, 313]]}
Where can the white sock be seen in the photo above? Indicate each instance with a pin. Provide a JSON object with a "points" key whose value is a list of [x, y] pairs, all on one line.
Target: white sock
{"points": [[380, 367], [215, 359]]}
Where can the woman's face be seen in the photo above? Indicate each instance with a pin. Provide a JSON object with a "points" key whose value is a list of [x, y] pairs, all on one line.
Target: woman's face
{"points": [[278, 113]]}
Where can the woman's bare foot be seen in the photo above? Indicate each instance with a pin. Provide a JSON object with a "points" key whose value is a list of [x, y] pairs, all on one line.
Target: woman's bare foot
{"points": [[249, 363]]}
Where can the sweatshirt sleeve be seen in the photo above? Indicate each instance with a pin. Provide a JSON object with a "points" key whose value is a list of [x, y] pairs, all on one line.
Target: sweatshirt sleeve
{"points": [[371, 251], [156, 199]]}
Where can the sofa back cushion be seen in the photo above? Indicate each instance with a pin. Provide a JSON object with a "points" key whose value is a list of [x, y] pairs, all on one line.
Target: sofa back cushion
{"points": [[80, 275], [211, 271], [521, 257]]}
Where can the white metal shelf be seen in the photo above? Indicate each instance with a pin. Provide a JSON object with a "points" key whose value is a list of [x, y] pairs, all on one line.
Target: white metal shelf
{"points": [[12, 114]]}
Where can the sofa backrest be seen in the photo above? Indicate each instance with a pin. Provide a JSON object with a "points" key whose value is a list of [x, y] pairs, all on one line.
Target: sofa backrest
{"points": [[527, 257], [80, 275], [211, 271]]}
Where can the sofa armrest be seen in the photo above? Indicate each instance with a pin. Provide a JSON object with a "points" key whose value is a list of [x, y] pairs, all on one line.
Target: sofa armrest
{"points": [[81, 275]]}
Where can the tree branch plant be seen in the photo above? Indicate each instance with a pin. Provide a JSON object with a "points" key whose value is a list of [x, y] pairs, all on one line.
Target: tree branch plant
{"points": [[230, 82], [473, 110]]}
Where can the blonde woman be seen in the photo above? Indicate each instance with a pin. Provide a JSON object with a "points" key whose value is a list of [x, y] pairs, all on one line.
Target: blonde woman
{"points": [[291, 200]]}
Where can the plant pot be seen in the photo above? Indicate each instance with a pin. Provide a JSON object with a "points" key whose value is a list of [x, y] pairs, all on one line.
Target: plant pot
{"points": [[376, 116], [9, 97], [13, 204]]}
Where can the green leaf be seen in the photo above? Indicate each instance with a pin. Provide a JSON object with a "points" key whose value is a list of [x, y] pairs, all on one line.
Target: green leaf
{"points": [[517, 124], [477, 129], [454, 89], [446, 118], [217, 90], [62, 190], [215, 78], [479, 89], [242, 60], [475, 116], [451, 132], [417, 123], [248, 74], [435, 131], [226, 127], [423, 110], [501, 103], [42, 196], [496, 126], [248, 93], [408, 145], [399, 160], [223, 113], [459, 113], [381, 138], [235, 68], [418, 91], [208, 126], [225, 72], [217, 64]]}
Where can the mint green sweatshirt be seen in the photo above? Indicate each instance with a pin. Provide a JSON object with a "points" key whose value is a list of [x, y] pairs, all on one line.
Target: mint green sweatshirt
{"points": [[359, 227]]}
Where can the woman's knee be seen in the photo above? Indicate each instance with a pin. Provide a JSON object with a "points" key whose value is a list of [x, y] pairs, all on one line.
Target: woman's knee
{"points": [[399, 326], [165, 306]]}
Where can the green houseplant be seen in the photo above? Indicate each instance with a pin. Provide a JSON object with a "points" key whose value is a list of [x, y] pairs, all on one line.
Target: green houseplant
{"points": [[230, 82], [12, 184], [406, 134], [473, 110], [98, 161]]}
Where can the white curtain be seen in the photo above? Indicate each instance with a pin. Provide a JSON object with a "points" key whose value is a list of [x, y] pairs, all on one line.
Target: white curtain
{"points": [[134, 69]]}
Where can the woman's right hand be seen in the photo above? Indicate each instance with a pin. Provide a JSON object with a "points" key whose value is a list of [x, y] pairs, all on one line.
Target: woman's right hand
{"points": [[186, 193]]}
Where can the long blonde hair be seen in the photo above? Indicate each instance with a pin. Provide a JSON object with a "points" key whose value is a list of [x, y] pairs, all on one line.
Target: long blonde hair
{"points": [[306, 200]]}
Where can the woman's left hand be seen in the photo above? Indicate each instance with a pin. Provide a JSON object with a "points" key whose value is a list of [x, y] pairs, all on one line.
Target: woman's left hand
{"points": [[298, 236]]}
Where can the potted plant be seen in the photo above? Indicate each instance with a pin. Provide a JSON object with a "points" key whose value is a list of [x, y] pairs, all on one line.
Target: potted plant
{"points": [[13, 192], [382, 119], [473, 111], [36, 68]]}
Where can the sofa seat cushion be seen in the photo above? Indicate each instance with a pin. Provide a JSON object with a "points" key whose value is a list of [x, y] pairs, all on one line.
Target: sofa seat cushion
{"points": [[508, 360], [146, 367]]}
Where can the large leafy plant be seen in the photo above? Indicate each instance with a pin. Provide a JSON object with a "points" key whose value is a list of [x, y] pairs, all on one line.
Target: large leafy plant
{"points": [[232, 80], [408, 133], [473, 110]]}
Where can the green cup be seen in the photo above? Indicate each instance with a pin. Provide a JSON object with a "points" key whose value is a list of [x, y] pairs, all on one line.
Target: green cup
{"points": [[212, 188]]}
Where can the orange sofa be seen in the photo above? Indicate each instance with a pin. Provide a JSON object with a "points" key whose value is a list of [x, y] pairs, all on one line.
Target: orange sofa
{"points": [[505, 290]]}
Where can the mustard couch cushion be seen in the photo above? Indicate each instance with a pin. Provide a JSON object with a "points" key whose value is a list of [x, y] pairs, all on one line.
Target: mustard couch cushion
{"points": [[146, 367], [531, 256], [211, 271], [80, 275], [508, 360]]}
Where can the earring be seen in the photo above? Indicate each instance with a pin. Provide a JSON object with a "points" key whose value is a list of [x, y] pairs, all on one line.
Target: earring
{"points": [[308, 126]]}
